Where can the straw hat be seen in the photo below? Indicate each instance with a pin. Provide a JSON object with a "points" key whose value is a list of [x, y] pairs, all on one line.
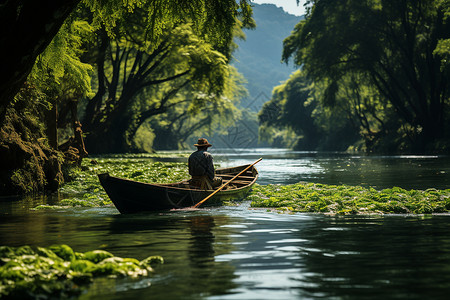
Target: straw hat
{"points": [[202, 143]]}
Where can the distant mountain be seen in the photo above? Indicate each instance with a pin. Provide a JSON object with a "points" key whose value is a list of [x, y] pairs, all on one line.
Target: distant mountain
{"points": [[258, 58]]}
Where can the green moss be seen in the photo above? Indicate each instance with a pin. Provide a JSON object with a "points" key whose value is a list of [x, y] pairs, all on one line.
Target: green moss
{"points": [[82, 266], [151, 261], [28, 163], [343, 199], [6, 252], [58, 271], [24, 250], [47, 253], [47, 207], [85, 190], [63, 251], [97, 256]]}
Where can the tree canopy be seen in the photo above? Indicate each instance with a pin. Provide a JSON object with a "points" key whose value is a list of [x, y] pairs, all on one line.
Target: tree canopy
{"points": [[394, 49], [58, 54], [28, 27], [136, 81]]}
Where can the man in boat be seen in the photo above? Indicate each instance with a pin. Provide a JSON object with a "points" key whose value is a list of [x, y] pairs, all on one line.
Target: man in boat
{"points": [[201, 167]]}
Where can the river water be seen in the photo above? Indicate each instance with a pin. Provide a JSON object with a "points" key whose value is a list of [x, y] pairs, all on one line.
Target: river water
{"points": [[243, 253]]}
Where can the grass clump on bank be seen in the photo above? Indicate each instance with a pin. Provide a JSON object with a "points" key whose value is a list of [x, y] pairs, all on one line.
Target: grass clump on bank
{"points": [[58, 271], [343, 199]]}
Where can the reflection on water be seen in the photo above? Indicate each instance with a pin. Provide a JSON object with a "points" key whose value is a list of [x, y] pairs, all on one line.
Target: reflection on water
{"points": [[287, 167], [239, 253], [281, 166], [405, 257], [284, 166], [236, 253]]}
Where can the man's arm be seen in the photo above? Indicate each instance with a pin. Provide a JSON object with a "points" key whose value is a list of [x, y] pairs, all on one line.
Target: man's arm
{"points": [[210, 168], [190, 165]]}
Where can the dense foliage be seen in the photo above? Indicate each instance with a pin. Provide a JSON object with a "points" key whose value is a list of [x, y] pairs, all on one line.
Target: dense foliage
{"points": [[132, 46], [60, 272], [384, 64], [136, 83], [308, 123], [31, 26]]}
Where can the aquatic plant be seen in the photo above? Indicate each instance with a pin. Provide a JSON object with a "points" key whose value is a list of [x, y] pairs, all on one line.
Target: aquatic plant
{"points": [[156, 155], [84, 190], [58, 271], [344, 199]]}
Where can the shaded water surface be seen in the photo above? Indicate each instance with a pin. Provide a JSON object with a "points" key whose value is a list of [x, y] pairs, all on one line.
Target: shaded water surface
{"points": [[287, 167], [237, 253], [242, 253]]}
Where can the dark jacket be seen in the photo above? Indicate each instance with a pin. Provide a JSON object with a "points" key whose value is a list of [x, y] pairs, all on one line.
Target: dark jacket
{"points": [[201, 163]]}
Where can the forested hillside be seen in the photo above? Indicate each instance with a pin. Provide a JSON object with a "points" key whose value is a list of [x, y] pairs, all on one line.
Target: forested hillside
{"points": [[375, 78], [258, 58]]}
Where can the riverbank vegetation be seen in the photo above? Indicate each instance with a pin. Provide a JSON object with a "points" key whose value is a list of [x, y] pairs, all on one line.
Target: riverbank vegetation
{"points": [[102, 75], [60, 272], [374, 77], [95, 77]]}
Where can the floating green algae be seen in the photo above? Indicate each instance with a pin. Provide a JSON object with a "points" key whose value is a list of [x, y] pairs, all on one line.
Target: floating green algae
{"points": [[58, 271], [343, 199], [156, 155], [84, 190]]}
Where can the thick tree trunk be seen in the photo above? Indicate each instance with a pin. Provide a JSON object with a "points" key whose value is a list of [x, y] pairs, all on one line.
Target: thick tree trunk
{"points": [[26, 29], [110, 136], [93, 107], [113, 140]]}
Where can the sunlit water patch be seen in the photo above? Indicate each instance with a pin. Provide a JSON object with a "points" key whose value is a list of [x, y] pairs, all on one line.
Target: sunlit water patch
{"points": [[236, 252], [287, 167]]}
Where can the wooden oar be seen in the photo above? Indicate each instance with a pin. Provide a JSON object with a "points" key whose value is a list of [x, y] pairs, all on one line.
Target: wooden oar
{"points": [[224, 185]]}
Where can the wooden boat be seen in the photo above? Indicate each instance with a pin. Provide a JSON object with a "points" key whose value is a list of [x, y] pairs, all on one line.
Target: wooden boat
{"points": [[131, 196]]}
